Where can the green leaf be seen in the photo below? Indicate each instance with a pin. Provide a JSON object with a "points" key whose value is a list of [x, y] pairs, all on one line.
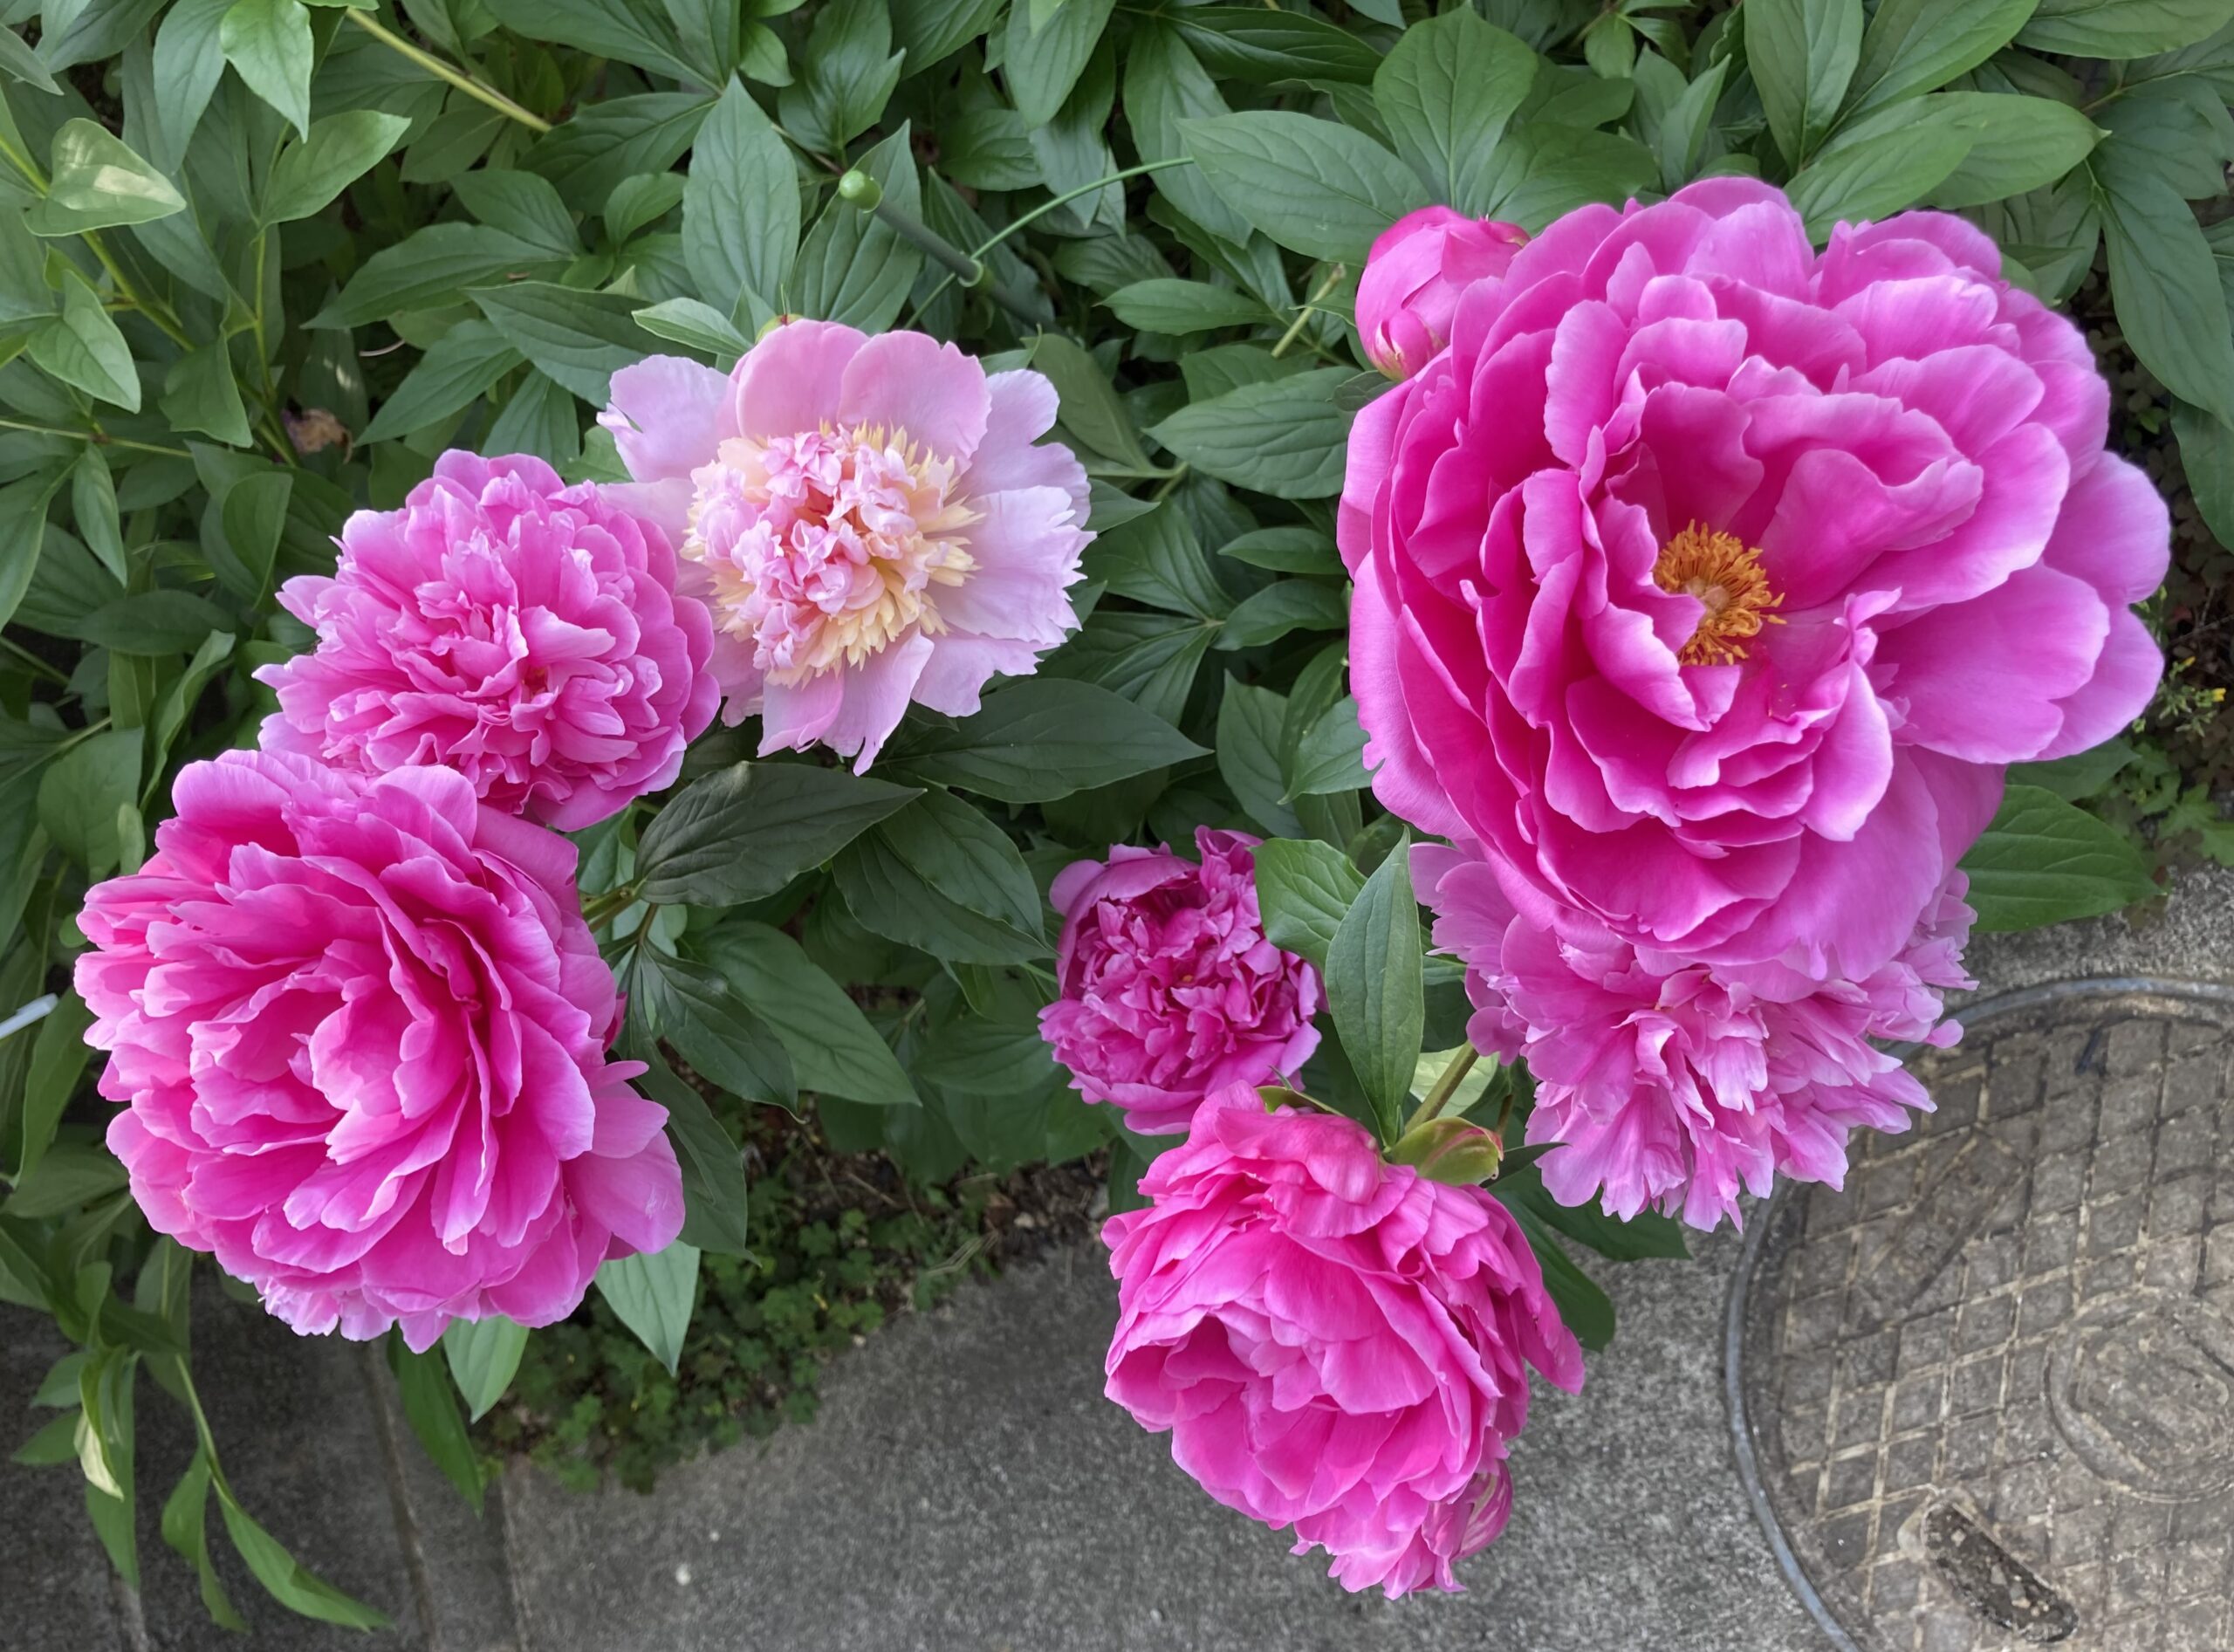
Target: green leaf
{"points": [[59, 1056], [55, 1444], [691, 1006], [2207, 456], [2118, 29], [1091, 410], [1285, 606], [1287, 437], [1304, 887], [1164, 85], [1332, 755], [888, 897], [432, 265], [1587, 1310], [746, 831], [1316, 187], [608, 143], [523, 205], [254, 516], [2018, 144], [1181, 307], [1544, 169], [470, 358], [1646, 1235], [1038, 739], [339, 149], [973, 1055], [616, 29], [1913, 46], [83, 349], [696, 326], [268, 43], [834, 1049], [1150, 658], [70, 1174], [81, 791], [1446, 91], [188, 62], [579, 338], [540, 419], [1876, 177], [653, 1297], [854, 267], [99, 183], [156, 624], [715, 1202], [1250, 720], [2164, 284], [19, 62], [1291, 550], [2081, 775], [1374, 988], [200, 394], [186, 1528], [287, 1579], [1156, 560], [1268, 45], [740, 206], [961, 853], [430, 1406], [482, 1355], [1803, 54], [93, 501], [1043, 62], [2044, 861]]}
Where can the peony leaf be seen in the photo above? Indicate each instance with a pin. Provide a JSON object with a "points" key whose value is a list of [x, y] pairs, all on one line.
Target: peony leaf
{"points": [[1447, 90], [2044, 861], [1375, 990], [2119, 28], [1803, 54], [484, 1354], [423, 1384], [653, 1297], [1039, 739], [1303, 889], [1316, 187], [747, 831], [740, 206]]}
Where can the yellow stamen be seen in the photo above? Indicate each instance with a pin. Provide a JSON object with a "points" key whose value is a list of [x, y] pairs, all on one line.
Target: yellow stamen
{"points": [[1724, 573]]}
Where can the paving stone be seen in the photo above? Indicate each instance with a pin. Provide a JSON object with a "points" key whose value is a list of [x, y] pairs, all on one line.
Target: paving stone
{"points": [[55, 1592], [2085, 1396], [967, 1488]]}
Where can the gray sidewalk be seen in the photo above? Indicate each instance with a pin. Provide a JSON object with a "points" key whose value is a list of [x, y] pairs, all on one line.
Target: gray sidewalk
{"points": [[966, 1489]]}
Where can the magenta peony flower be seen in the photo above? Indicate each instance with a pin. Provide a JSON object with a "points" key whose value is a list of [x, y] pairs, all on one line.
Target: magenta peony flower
{"points": [[1669, 1083], [361, 1029], [523, 632], [869, 519], [1170, 989], [1414, 274], [1335, 1343], [1708, 581]]}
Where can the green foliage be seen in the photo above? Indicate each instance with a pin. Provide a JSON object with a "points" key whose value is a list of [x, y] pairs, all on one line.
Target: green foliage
{"points": [[261, 263]]}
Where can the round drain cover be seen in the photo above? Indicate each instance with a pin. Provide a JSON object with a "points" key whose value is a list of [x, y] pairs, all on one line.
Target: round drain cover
{"points": [[1986, 1393]]}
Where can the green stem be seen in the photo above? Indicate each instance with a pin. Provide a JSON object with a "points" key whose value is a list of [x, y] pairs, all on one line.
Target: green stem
{"points": [[99, 438], [599, 908], [442, 70], [1046, 207], [33, 661], [159, 315], [1307, 308], [1446, 1086]]}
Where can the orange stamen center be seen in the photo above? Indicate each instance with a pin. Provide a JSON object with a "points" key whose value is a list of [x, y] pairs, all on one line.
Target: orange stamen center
{"points": [[1724, 573]]}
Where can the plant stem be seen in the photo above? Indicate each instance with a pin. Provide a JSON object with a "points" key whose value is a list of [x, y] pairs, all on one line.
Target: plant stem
{"points": [[599, 907], [1304, 311], [1046, 207], [99, 438], [1446, 1086], [34, 661], [442, 70]]}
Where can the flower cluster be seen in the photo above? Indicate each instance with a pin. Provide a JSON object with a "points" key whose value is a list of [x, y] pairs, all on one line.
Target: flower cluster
{"points": [[1705, 584]]}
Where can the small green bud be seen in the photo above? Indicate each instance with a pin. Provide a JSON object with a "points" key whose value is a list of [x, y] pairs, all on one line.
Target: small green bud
{"points": [[1447, 1150]]}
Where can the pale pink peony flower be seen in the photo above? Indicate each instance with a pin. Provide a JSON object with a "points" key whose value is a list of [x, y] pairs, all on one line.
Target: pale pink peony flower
{"points": [[525, 633], [361, 1029], [869, 519], [1708, 580], [1169, 988], [1669, 1085], [1417, 268], [1334, 1343]]}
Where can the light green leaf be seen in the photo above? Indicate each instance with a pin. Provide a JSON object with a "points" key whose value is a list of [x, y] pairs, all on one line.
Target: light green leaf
{"points": [[652, 1296], [1316, 187], [289, 1582], [339, 149], [1876, 177], [83, 349], [200, 394], [186, 1528], [2044, 861], [696, 326], [431, 265], [268, 43], [482, 1355], [99, 183], [430, 1407], [740, 206]]}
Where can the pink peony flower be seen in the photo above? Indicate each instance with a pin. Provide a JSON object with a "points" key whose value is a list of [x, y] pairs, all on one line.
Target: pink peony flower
{"points": [[1170, 989], [1708, 580], [501, 624], [361, 1029], [869, 519], [1669, 1083], [1414, 274], [1335, 1343]]}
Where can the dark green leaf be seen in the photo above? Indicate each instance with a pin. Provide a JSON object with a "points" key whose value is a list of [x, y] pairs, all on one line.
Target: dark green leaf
{"points": [[1446, 92], [469, 359], [435, 265], [81, 791], [1287, 437], [430, 1406], [1044, 62], [338, 150], [1181, 307], [1268, 45], [746, 832], [1374, 988], [1918, 46], [1316, 187], [1285, 606], [834, 1049], [157, 623], [1040, 738], [1250, 720], [2122, 28], [888, 897], [741, 206], [1876, 177], [692, 1008], [186, 1528], [579, 338], [1803, 54], [962, 854]]}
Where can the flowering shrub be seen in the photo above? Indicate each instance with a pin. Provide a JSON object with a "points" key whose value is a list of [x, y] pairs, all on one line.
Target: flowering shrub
{"points": [[1155, 497]]}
